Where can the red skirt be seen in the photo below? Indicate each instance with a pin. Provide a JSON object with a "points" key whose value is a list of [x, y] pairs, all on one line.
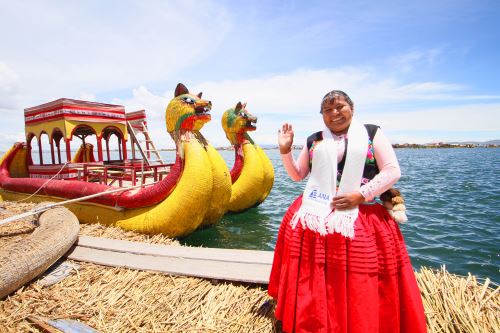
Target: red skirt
{"points": [[335, 284]]}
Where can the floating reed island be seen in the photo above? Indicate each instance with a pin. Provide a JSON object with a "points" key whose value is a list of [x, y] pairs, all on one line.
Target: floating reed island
{"points": [[124, 300]]}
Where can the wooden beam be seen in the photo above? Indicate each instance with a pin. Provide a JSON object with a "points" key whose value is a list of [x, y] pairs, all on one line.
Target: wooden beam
{"points": [[221, 264], [204, 253]]}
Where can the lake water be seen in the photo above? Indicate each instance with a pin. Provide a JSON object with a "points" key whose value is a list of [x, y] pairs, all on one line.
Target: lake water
{"points": [[452, 198]]}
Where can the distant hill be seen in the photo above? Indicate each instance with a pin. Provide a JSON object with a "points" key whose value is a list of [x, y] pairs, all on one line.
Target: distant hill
{"points": [[491, 142]]}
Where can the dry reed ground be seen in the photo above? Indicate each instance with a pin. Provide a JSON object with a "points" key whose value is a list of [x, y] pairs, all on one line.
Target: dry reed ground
{"points": [[124, 300]]}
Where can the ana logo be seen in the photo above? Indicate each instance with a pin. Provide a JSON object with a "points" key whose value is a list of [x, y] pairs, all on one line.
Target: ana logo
{"points": [[324, 196], [319, 196]]}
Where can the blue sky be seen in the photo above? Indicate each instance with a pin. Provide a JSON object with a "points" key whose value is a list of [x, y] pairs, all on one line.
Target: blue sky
{"points": [[425, 71]]}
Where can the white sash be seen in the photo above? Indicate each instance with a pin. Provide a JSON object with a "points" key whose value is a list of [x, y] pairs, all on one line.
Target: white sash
{"points": [[315, 213]]}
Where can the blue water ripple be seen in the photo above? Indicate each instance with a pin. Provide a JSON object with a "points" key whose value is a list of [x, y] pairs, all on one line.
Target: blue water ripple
{"points": [[452, 197]]}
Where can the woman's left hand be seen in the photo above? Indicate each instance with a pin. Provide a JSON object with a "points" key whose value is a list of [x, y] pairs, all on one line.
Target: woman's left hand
{"points": [[347, 200]]}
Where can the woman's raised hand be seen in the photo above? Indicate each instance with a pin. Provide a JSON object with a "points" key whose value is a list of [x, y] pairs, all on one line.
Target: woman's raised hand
{"points": [[285, 138]]}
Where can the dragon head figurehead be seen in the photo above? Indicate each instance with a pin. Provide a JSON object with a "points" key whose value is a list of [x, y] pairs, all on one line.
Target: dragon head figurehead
{"points": [[187, 112], [237, 122]]}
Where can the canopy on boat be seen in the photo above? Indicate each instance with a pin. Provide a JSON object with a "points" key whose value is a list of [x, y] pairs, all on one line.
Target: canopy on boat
{"points": [[67, 117]]}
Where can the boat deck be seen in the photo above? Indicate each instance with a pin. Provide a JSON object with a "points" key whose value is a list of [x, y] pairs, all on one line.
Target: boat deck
{"points": [[212, 263], [122, 174]]}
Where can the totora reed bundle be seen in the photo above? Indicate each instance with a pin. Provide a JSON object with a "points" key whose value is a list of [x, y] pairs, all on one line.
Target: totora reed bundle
{"points": [[456, 304], [123, 300]]}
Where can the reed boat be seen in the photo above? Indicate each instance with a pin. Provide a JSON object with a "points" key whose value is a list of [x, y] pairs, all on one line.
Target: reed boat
{"points": [[129, 184], [23, 260], [252, 174]]}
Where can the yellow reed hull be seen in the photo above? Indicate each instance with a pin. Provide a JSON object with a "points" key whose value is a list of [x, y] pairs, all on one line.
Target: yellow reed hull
{"points": [[268, 182], [179, 214], [246, 191], [221, 190]]}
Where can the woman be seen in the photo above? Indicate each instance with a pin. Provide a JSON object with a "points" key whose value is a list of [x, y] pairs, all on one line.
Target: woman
{"points": [[340, 263]]}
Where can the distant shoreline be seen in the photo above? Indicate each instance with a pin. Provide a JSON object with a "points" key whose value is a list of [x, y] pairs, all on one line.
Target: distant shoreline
{"points": [[444, 145], [395, 146]]}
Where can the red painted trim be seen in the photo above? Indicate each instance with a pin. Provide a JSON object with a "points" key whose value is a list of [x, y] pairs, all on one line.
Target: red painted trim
{"points": [[59, 153], [74, 107], [29, 158], [124, 149], [99, 149], [77, 118], [68, 150], [54, 168], [238, 164], [40, 154], [52, 152], [135, 118], [120, 145], [135, 113], [70, 101], [65, 112], [71, 189], [51, 173], [107, 148]]}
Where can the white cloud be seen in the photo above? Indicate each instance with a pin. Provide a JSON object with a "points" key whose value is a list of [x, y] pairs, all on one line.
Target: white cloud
{"points": [[409, 61], [10, 87], [87, 96], [467, 117], [142, 98], [98, 46], [295, 97], [7, 140], [94, 48]]}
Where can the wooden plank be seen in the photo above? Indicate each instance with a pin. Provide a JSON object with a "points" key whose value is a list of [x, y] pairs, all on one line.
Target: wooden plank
{"points": [[202, 253], [212, 269]]}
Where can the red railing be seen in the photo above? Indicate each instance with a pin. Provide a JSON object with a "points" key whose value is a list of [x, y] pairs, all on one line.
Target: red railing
{"points": [[120, 173]]}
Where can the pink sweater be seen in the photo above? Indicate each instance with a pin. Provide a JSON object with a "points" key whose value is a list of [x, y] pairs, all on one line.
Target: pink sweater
{"points": [[384, 155]]}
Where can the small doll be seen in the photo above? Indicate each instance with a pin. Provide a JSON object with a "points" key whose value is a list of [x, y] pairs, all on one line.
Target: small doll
{"points": [[393, 201]]}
